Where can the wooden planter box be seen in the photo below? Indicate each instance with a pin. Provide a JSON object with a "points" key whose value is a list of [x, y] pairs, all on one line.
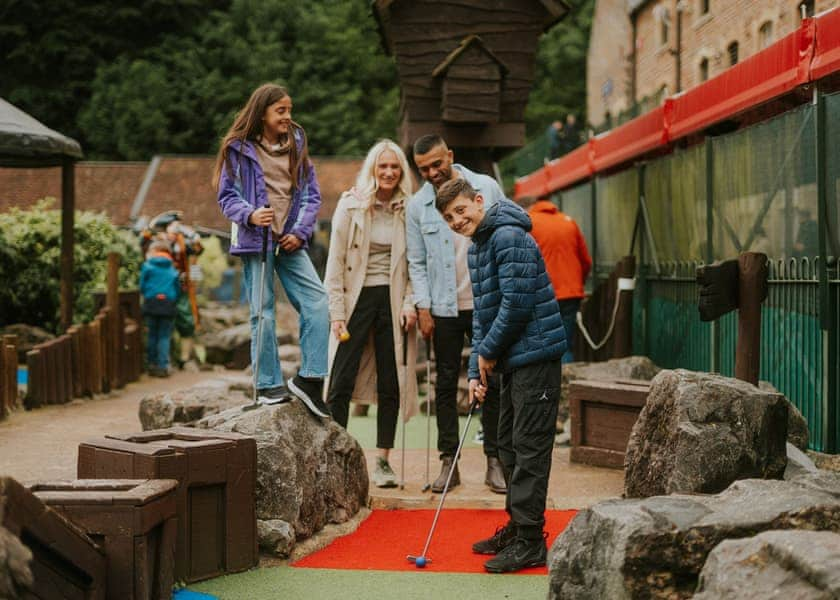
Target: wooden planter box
{"points": [[135, 523], [216, 472], [65, 562], [603, 414]]}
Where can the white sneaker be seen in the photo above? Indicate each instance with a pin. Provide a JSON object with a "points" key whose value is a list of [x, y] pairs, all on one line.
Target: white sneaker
{"points": [[383, 475]]}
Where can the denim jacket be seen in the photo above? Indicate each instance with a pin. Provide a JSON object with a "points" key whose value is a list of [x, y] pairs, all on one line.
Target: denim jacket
{"points": [[243, 191], [430, 245]]}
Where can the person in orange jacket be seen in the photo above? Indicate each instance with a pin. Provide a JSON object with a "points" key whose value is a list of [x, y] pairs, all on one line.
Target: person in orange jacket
{"points": [[566, 258]]}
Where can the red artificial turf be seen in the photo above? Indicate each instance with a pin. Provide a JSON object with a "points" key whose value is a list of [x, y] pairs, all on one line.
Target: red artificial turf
{"points": [[384, 539]]}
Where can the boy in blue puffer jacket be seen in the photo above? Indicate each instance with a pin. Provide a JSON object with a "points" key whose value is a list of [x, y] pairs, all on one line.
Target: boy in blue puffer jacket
{"points": [[517, 331], [160, 288]]}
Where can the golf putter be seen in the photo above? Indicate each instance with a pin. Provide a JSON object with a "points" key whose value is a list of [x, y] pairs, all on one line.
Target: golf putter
{"points": [[428, 485], [254, 404], [403, 405], [422, 559]]}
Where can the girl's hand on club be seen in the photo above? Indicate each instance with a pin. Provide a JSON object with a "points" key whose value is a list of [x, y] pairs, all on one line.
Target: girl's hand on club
{"points": [[477, 390], [339, 329], [262, 217], [290, 242], [408, 318]]}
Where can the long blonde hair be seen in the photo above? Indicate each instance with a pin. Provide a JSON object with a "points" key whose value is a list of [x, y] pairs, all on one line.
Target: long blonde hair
{"points": [[366, 182], [248, 125]]}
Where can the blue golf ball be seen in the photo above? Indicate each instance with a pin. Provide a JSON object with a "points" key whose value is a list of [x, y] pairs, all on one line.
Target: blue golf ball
{"points": [[420, 562]]}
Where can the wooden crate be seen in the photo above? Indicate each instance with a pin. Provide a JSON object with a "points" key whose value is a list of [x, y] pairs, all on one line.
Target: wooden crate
{"points": [[135, 522], [216, 471], [66, 564], [602, 415]]}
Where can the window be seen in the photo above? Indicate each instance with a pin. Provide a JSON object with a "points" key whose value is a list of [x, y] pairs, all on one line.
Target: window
{"points": [[704, 69], [765, 35], [704, 7], [806, 9], [662, 15], [732, 50]]}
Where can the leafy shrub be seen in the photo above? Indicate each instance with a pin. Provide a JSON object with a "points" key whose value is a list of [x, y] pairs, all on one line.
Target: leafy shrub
{"points": [[30, 263]]}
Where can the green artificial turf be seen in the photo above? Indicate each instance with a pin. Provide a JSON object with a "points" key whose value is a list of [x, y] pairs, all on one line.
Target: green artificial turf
{"points": [[364, 430], [336, 584]]}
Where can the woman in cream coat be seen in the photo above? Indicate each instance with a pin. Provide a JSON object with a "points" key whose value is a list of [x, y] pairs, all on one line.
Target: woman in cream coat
{"points": [[370, 300]]}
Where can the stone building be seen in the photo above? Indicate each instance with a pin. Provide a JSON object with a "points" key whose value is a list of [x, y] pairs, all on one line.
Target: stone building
{"points": [[641, 51]]}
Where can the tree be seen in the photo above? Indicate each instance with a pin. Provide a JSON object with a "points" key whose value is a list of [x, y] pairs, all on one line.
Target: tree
{"points": [[560, 81], [50, 50], [180, 96]]}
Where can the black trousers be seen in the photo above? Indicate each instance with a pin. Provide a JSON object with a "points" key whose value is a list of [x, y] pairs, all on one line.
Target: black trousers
{"points": [[373, 311], [448, 343], [527, 424]]}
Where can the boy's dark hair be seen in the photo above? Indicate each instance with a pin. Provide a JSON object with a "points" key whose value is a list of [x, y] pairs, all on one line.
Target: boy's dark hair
{"points": [[451, 190], [425, 143]]}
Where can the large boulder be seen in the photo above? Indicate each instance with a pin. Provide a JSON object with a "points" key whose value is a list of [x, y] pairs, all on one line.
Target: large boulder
{"points": [[230, 347], [309, 473], [15, 572], [185, 407], [773, 564], [797, 424], [656, 547], [630, 367], [699, 432]]}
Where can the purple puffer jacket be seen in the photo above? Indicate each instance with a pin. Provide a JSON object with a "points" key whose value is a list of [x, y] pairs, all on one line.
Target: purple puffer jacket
{"points": [[244, 192]]}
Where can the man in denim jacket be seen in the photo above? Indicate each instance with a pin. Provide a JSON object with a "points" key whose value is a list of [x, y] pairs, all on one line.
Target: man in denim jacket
{"points": [[437, 266]]}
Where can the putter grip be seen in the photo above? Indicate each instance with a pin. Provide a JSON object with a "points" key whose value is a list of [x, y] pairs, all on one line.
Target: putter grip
{"points": [[265, 238]]}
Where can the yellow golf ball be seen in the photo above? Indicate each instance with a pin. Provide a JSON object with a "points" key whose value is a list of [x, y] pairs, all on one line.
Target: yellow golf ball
{"points": [[344, 336]]}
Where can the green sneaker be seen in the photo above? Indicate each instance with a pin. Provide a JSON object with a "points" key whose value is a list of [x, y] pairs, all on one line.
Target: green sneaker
{"points": [[384, 476]]}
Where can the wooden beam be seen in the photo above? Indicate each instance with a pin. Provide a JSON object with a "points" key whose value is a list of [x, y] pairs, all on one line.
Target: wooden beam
{"points": [[501, 135], [68, 203]]}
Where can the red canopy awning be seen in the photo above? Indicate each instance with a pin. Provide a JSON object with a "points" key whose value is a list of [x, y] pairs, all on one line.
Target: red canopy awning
{"points": [[827, 48], [774, 71], [639, 136]]}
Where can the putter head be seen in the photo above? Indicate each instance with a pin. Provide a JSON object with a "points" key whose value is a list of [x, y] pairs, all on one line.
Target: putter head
{"points": [[252, 406]]}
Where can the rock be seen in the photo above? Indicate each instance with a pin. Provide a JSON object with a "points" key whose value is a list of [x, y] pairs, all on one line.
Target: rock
{"points": [[773, 564], [656, 547], [797, 424], [699, 432], [829, 462], [275, 537], [185, 407], [798, 463], [230, 347], [28, 336], [15, 572], [631, 367], [309, 473]]}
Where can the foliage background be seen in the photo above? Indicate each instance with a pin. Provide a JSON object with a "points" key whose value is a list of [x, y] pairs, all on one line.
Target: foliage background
{"points": [[130, 80], [30, 251]]}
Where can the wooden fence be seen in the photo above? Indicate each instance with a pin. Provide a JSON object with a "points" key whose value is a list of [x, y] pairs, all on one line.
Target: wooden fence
{"points": [[91, 358]]}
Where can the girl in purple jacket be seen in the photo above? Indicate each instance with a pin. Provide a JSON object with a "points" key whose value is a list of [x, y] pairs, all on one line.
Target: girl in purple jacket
{"points": [[264, 178]]}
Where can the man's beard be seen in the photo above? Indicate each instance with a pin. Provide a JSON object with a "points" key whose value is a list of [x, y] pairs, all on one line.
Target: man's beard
{"points": [[448, 174]]}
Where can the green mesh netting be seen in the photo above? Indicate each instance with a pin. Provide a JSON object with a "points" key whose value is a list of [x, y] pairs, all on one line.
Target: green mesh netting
{"points": [[616, 200], [577, 203], [764, 188]]}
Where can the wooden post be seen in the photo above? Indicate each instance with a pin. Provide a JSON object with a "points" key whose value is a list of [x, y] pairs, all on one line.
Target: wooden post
{"points": [[115, 321], [67, 363], [105, 349], [68, 201], [4, 388], [11, 376], [34, 387], [752, 291], [76, 359], [623, 343], [96, 359]]}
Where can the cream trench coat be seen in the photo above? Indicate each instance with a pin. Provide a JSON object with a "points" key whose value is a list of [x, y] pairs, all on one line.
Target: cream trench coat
{"points": [[344, 277]]}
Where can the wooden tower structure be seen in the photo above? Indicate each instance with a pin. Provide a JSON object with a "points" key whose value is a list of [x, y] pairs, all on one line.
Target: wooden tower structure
{"points": [[465, 69]]}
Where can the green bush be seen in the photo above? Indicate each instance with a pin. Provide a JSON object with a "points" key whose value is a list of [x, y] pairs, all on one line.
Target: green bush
{"points": [[30, 263]]}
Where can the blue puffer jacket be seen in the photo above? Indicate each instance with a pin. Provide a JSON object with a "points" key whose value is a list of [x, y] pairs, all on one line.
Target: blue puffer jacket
{"points": [[516, 318]]}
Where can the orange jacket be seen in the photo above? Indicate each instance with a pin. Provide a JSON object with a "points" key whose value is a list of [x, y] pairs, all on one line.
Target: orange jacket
{"points": [[563, 248]]}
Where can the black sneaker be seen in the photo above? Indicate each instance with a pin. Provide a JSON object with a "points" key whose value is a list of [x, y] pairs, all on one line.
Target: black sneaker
{"points": [[519, 554], [499, 541], [275, 395], [310, 391]]}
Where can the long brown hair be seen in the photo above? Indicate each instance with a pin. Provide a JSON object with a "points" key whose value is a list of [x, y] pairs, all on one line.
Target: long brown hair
{"points": [[248, 125]]}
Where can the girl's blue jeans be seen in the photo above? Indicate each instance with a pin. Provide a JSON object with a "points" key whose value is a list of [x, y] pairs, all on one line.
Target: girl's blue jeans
{"points": [[308, 296]]}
